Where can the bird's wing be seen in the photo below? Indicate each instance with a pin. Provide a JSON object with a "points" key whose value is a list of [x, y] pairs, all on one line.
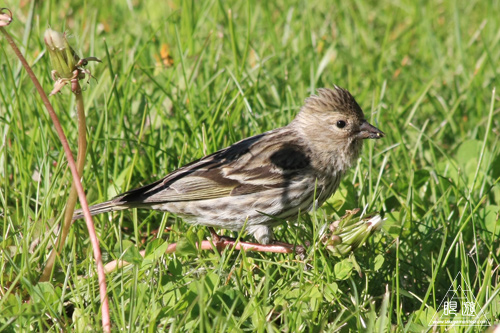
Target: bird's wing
{"points": [[252, 165]]}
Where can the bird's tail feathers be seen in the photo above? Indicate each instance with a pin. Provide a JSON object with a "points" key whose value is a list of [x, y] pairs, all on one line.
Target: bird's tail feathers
{"points": [[104, 207]]}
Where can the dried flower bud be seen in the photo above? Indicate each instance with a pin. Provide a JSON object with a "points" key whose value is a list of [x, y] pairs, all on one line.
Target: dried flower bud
{"points": [[5, 18], [349, 233]]}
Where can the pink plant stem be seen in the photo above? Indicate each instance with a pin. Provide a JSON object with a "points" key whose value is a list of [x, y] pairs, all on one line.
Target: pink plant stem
{"points": [[106, 323], [221, 245], [73, 195], [207, 245]]}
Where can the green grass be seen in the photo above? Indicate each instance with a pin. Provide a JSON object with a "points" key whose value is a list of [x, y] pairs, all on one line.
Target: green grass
{"points": [[424, 72]]}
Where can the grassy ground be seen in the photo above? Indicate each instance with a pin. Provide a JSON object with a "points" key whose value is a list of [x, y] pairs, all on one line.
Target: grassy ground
{"points": [[180, 80]]}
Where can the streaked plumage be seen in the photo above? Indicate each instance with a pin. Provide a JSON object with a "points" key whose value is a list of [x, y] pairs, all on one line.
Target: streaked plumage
{"points": [[265, 178]]}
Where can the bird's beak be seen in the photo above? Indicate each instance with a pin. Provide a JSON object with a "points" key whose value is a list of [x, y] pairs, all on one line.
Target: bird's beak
{"points": [[368, 131]]}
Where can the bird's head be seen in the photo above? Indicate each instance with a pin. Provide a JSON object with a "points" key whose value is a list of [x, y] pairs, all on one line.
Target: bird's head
{"points": [[333, 122]]}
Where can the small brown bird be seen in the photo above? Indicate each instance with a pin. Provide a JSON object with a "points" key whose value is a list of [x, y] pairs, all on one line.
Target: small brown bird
{"points": [[265, 179]]}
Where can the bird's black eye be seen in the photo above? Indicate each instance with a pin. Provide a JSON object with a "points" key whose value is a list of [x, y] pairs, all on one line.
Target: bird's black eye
{"points": [[341, 124]]}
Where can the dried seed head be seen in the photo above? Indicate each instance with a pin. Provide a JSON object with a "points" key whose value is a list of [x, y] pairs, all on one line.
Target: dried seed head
{"points": [[66, 64], [62, 57]]}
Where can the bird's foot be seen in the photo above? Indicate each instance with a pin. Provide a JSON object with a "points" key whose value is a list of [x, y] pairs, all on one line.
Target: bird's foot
{"points": [[221, 242], [216, 238], [299, 249]]}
